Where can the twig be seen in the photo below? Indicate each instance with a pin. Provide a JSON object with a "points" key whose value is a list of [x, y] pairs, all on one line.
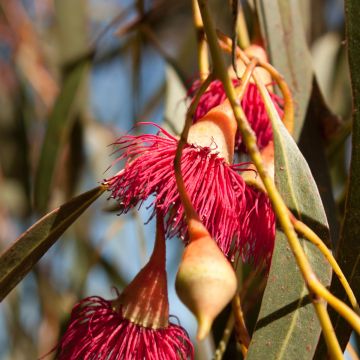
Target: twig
{"points": [[241, 28], [203, 57], [288, 118], [310, 235], [331, 340]]}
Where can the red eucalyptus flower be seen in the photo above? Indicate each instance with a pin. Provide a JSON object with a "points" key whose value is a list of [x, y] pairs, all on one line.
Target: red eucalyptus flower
{"points": [[134, 326], [252, 104], [239, 218], [216, 188], [97, 331], [260, 226]]}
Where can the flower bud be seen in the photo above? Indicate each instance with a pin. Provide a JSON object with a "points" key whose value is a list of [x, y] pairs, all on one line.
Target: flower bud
{"points": [[205, 281]]}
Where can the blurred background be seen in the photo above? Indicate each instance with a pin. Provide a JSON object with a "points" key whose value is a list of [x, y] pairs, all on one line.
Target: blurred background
{"points": [[74, 76]]}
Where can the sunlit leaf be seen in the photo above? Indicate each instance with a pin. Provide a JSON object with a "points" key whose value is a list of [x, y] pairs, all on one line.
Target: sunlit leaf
{"points": [[318, 122], [282, 27], [26, 251], [287, 327]]}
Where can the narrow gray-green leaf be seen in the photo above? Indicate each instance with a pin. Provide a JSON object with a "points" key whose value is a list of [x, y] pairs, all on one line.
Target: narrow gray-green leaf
{"points": [[348, 250], [320, 120], [287, 327], [282, 27], [57, 126], [26, 251]]}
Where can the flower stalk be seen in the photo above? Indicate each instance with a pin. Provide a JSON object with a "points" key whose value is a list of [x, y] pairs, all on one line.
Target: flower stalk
{"points": [[311, 236], [288, 118], [202, 48], [189, 209], [241, 28]]}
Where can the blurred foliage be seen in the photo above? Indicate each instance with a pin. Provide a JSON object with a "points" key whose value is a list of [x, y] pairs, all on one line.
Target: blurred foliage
{"points": [[75, 75]]}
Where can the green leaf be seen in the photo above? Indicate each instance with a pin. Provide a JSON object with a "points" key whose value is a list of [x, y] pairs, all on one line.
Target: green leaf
{"points": [[287, 326], [282, 27], [348, 249], [26, 251], [312, 145], [58, 124]]}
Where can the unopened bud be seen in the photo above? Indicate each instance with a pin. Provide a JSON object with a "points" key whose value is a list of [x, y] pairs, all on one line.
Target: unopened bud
{"points": [[206, 281]]}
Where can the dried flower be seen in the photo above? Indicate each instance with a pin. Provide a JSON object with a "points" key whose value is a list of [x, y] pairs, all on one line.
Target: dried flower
{"points": [[134, 326]]}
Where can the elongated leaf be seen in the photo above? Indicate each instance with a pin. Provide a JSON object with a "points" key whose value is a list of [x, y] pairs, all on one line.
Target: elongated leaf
{"points": [[57, 125], [348, 249], [287, 327], [282, 27], [26, 251], [318, 121]]}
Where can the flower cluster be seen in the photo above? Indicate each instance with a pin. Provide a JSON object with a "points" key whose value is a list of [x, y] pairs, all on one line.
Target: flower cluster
{"points": [[238, 216], [226, 206], [227, 220]]}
